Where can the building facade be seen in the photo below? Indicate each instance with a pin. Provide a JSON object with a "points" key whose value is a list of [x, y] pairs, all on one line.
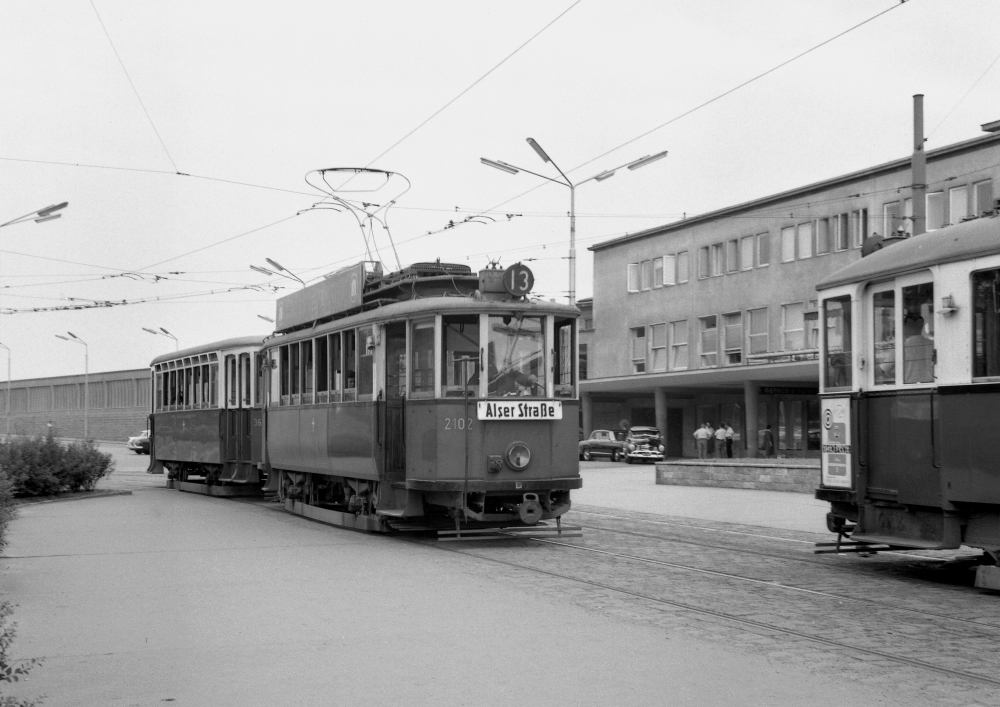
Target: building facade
{"points": [[716, 314], [118, 404]]}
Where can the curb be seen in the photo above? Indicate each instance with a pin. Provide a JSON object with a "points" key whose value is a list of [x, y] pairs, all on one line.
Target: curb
{"points": [[59, 498]]}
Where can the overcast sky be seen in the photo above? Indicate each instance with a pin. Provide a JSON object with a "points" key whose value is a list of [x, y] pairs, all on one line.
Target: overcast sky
{"points": [[262, 93]]}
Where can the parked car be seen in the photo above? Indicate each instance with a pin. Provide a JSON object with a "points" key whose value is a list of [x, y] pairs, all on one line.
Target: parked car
{"points": [[644, 444], [140, 443], [602, 443]]}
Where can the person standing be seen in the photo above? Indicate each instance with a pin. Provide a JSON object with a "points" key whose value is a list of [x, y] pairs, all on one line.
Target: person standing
{"points": [[729, 441], [765, 442], [720, 441], [701, 437]]}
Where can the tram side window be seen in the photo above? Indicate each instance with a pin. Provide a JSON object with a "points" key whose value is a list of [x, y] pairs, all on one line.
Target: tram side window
{"points": [[563, 365], [158, 398], [884, 323], [336, 368], [986, 323], [213, 385], [246, 376], [322, 370], [837, 331], [307, 372], [918, 333], [258, 391], [206, 388], [294, 375], [516, 356], [459, 341], [285, 371], [196, 386], [231, 381], [422, 355], [350, 365], [366, 363]]}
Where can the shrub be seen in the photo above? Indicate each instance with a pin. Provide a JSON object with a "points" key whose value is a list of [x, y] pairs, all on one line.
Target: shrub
{"points": [[6, 506], [12, 670], [83, 466], [39, 466]]}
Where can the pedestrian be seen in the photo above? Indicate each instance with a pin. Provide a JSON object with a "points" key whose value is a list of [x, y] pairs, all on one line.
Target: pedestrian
{"points": [[720, 441], [765, 442], [729, 441], [701, 437]]}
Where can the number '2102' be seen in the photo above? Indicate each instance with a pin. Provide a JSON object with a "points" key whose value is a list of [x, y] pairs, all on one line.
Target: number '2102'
{"points": [[457, 423]]}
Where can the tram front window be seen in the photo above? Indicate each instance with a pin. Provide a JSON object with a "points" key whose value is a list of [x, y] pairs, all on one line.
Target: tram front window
{"points": [[884, 323], [918, 333], [837, 328], [516, 353], [986, 323], [460, 342]]}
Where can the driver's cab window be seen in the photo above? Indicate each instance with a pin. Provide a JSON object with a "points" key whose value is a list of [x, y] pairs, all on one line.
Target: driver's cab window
{"points": [[516, 356], [902, 332]]}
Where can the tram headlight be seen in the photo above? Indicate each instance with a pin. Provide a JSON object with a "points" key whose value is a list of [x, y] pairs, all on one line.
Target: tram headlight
{"points": [[518, 456]]}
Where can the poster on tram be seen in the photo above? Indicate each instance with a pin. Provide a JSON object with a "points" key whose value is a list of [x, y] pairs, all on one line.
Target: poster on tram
{"points": [[837, 442]]}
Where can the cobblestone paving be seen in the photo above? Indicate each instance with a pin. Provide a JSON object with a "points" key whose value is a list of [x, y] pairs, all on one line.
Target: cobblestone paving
{"points": [[881, 611]]}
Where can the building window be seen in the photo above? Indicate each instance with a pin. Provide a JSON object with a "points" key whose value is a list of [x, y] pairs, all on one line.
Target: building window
{"points": [[646, 274], [732, 256], [670, 269], [788, 244], [583, 362], [657, 272], [935, 210], [982, 197], [718, 259], [639, 350], [633, 277], [858, 227], [659, 347], [805, 239], [709, 340], [588, 324], [682, 267], [758, 330], [892, 218], [746, 253], [703, 262], [678, 345], [811, 323], [792, 326], [823, 236], [840, 227], [763, 249], [733, 337], [958, 204]]}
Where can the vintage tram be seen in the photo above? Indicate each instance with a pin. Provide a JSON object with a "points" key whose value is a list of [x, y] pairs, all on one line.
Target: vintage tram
{"points": [[910, 387], [429, 397]]}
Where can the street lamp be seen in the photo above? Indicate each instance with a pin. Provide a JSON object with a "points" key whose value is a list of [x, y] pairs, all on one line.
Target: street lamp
{"points": [[266, 319], [73, 338], [2, 346], [40, 216], [606, 174], [281, 272], [164, 332]]}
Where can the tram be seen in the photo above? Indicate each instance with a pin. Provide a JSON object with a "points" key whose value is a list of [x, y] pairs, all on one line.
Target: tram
{"points": [[428, 397], [910, 388]]}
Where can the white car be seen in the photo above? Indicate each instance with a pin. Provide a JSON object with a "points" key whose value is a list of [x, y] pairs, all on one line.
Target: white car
{"points": [[140, 443]]}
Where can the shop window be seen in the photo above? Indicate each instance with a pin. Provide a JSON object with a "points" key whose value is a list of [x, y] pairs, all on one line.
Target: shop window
{"points": [[659, 347], [982, 197], [935, 210], [758, 330], [563, 365], [958, 204], [805, 240], [678, 345], [763, 249], [709, 340], [460, 340], [733, 338], [633, 277], [682, 267], [746, 253], [884, 323], [986, 323], [790, 425], [793, 326], [788, 244], [837, 328], [639, 349], [732, 255], [918, 333], [422, 359]]}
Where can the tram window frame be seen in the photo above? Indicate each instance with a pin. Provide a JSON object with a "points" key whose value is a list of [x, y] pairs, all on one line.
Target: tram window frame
{"points": [[295, 366], [422, 377], [917, 350], [528, 376], [336, 355], [842, 371], [196, 387], [563, 364], [322, 356], [985, 300], [366, 363], [284, 369], [307, 370], [350, 365], [883, 297], [158, 391], [232, 395], [454, 329], [246, 378], [258, 394], [214, 383]]}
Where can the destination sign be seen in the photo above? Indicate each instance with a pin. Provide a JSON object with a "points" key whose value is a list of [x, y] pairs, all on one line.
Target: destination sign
{"points": [[519, 410]]}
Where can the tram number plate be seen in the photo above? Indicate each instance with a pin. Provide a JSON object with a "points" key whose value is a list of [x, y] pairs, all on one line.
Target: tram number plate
{"points": [[519, 410]]}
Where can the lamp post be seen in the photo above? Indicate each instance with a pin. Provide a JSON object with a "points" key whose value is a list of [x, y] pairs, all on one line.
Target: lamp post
{"points": [[2, 346], [278, 270], [73, 338], [164, 332], [40, 216], [606, 174]]}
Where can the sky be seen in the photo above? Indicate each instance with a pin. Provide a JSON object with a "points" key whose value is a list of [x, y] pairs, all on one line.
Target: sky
{"points": [[181, 134]]}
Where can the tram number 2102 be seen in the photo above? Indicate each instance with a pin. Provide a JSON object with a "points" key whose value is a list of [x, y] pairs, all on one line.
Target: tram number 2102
{"points": [[457, 423]]}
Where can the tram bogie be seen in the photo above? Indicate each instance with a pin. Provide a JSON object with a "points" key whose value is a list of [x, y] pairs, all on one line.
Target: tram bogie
{"points": [[910, 385]]}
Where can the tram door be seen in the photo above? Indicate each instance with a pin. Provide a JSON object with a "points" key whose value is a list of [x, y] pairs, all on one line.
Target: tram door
{"points": [[245, 372], [393, 413]]}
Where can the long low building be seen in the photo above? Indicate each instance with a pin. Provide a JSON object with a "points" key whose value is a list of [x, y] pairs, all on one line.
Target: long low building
{"points": [[117, 405]]}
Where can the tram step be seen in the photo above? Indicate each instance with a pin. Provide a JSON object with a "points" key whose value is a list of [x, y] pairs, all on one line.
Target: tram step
{"points": [[898, 542], [527, 532]]}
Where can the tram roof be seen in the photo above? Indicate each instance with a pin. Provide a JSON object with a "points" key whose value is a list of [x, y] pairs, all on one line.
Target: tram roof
{"points": [[234, 343], [962, 241]]}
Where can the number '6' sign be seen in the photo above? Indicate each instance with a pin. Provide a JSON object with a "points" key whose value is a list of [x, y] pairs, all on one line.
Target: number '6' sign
{"points": [[518, 279]]}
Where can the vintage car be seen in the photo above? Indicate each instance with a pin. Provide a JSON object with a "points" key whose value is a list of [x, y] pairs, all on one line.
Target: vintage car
{"points": [[140, 443], [644, 444], [602, 443]]}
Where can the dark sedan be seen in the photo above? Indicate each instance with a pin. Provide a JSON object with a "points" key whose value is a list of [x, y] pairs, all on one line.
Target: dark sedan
{"points": [[602, 443]]}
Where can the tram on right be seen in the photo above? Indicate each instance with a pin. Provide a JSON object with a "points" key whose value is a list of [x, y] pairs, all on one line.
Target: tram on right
{"points": [[910, 394]]}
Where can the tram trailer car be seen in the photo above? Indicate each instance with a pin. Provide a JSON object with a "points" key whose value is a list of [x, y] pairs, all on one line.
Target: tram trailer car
{"points": [[206, 419], [910, 387], [431, 396]]}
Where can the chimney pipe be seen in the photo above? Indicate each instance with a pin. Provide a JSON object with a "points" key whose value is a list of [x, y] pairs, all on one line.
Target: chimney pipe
{"points": [[918, 169]]}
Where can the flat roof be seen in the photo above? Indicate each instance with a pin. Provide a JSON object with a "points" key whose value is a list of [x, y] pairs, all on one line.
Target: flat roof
{"points": [[893, 166], [234, 343]]}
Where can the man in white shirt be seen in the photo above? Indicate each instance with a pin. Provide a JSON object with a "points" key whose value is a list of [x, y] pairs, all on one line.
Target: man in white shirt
{"points": [[720, 442], [701, 437]]}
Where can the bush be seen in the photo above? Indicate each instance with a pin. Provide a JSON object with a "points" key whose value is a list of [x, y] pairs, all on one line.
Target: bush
{"points": [[40, 466], [12, 670], [6, 506]]}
